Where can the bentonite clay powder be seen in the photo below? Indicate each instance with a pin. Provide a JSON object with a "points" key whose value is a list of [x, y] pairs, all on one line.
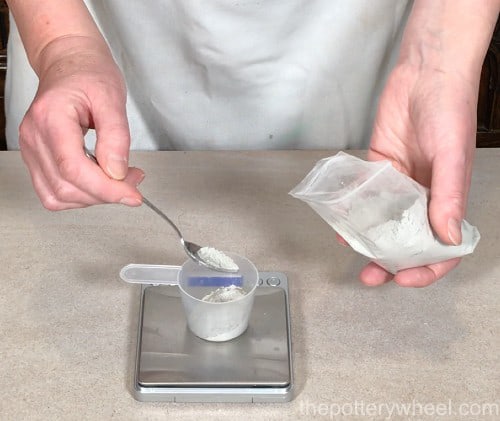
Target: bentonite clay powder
{"points": [[225, 294], [217, 259]]}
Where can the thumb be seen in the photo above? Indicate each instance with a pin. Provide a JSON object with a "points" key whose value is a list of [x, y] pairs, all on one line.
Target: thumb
{"points": [[113, 140], [450, 183]]}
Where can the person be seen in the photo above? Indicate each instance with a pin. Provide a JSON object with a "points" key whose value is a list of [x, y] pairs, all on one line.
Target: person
{"points": [[399, 77]]}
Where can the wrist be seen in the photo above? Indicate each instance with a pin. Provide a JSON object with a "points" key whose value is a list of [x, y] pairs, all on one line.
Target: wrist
{"points": [[450, 37], [51, 29], [71, 53]]}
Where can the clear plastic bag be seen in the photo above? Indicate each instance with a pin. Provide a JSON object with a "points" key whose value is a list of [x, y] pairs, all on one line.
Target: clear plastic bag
{"points": [[379, 211]]}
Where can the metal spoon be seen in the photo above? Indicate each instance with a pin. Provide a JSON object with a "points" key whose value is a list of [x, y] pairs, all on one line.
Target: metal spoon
{"points": [[191, 249]]}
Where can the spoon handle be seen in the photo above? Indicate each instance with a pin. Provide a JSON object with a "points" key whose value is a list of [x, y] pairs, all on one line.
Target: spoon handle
{"points": [[144, 200], [165, 217]]}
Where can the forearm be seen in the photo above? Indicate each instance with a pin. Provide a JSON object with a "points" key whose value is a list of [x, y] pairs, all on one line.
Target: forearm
{"points": [[449, 35], [52, 28]]}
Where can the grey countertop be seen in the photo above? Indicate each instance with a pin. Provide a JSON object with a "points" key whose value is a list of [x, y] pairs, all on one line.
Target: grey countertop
{"points": [[68, 324]]}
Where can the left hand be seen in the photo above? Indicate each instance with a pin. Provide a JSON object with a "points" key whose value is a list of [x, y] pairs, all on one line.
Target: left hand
{"points": [[426, 126]]}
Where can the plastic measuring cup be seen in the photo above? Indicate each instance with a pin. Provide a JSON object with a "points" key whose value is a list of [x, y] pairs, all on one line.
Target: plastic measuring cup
{"points": [[212, 321], [217, 321]]}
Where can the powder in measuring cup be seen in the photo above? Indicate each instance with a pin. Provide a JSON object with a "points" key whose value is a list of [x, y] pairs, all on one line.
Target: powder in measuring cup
{"points": [[225, 294], [217, 258]]}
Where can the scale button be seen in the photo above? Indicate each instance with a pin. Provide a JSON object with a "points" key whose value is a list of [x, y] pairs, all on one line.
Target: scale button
{"points": [[273, 281]]}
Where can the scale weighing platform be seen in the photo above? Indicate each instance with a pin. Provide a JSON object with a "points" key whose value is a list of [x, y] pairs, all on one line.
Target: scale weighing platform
{"points": [[174, 365]]}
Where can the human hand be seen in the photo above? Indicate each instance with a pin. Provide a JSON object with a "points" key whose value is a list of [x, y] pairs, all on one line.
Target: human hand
{"points": [[426, 125], [80, 88], [426, 121]]}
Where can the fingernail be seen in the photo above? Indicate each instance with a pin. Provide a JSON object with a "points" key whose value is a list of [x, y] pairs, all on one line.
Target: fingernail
{"points": [[130, 201], [140, 179], [455, 231], [117, 166]]}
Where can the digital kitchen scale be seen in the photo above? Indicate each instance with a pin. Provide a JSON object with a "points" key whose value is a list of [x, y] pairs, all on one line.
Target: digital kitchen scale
{"points": [[174, 365]]}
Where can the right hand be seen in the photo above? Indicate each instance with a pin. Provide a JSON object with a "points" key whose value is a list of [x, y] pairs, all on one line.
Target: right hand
{"points": [[79, 89]]}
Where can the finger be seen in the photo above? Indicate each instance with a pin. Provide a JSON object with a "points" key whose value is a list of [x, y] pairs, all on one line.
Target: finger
{"points": [[449, 189], [425, 275], [86, 174], [341, 240], [47, 197], [77, 169], [113, 135], [63, 195], [134, 176], [373, 275]]}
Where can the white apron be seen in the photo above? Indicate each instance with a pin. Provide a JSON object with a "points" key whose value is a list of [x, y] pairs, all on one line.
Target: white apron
{"points": [[218, 74]]}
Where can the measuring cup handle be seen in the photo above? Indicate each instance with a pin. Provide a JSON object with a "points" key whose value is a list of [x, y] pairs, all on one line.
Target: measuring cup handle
{"points": [[150, 274]]}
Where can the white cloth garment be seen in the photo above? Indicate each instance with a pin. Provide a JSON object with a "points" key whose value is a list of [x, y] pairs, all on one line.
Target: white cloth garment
{"points": [[276, 74]]}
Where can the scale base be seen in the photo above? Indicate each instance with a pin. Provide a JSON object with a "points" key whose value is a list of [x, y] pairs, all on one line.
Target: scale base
{"points": [[172, 364]]}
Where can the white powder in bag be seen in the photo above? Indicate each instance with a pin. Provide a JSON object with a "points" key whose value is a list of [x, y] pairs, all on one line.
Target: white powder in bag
{"points": [[404, 239], [402, 233]]}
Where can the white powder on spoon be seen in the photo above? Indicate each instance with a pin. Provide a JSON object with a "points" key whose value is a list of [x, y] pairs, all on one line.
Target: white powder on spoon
{"points": [[217, 259]]}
